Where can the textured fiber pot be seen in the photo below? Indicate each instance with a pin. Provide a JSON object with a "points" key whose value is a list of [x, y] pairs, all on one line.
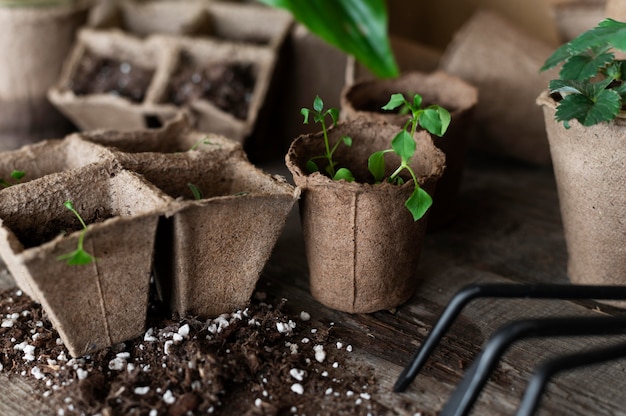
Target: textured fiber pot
{"points": [[100, 304], [503, 62], [589, 169], [573, 17], [362, 244], [34, 42], [365, 99]]}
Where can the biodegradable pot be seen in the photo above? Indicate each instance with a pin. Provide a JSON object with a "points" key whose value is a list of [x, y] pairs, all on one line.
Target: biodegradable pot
{"points": [[589, 165], [365, 99], [573, 17], [503, 62], [34, 42], [91, 306], [362, 244]]}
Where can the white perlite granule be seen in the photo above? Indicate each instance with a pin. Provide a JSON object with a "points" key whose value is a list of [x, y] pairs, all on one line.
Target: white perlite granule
{"points": [[305, 316], [297, 374], [168, 397], [140, 391], [297, 388], [320, 354]]}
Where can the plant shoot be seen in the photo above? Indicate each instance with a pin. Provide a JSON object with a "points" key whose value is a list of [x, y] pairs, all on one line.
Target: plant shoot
{"points": [[16, 175], [79, 256]]}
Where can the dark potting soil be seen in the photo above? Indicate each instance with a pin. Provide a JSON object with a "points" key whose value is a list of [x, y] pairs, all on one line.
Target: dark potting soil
{"points": [[256, 361], [102, 75], [228, 86]]}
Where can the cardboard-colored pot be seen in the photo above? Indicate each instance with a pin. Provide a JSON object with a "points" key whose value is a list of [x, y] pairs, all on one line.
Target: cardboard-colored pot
{"points": [[589, 170], [577, 16], [91, 306], [362, 244], [503, 62], [365, 99], [34, 42]]}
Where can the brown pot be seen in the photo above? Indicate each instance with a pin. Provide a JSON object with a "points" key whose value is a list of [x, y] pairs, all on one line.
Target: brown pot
{"points": [[34, 42], [100, 304], [365, 99], [503, 62], [589, 169], [362, 244], [574, 17]]}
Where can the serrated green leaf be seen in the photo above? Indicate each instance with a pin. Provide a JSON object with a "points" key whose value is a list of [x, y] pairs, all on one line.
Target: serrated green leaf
{"points": [[305, 112], [435, 120], [609, 32], [318, 104], [587, 111], [585, 66], [344, 174], [558, 56], [358, 27], [404, 145], [311, 167], [395, 101], [376, 165], [418, 203]]}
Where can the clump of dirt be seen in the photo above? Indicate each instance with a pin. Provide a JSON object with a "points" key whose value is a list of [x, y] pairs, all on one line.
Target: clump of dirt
{"points": [[102, 75], [256, 361], [229, 86]]}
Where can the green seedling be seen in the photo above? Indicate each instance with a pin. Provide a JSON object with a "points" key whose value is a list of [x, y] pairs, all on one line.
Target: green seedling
{"points": [[16, 175], [591, 79], [197, 195], [435, 120], [319, 116], [79, 256], [202, 141]]}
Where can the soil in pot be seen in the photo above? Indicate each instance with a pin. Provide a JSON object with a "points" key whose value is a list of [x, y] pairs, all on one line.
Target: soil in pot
{"points": [[227, 85], [103, 75]]}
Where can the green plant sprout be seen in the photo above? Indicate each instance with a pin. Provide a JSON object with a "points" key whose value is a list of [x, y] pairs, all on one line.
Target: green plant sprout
{"points": [[79, 256], [591, 79], [202, 141], [435, 120], [319, 116], [197, 195], [16, 175]]}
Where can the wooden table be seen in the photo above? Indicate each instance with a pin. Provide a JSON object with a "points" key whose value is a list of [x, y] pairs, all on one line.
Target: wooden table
{"points": [[508, 230]]}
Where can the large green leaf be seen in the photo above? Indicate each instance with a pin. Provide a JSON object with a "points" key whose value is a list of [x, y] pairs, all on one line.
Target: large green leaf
{"points": [[585, 66], [358, 27]]}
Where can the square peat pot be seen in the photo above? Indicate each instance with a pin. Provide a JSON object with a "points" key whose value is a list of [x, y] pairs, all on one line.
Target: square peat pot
{"points": [[96, 305], [109, 81], [211, 251], [46, 158]]}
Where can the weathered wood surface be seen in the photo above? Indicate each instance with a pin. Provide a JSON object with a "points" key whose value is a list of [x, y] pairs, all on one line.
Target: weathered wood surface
{"points": [[508, 230]]}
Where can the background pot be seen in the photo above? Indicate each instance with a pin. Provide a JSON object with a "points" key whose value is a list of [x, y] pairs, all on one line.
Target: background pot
{"points": [[589, 169], [362, 244], [34, 42], [365, 99]]}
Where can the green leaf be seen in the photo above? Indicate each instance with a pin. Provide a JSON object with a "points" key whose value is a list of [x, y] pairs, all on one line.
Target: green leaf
{"points": [[584, 66], [608, 33], [435, 120], [588, 111], [404, 145], [417, 102], [376, 165], [334, 114], [197, 195], [418, 203], [18, 174], [77, 257], [311, 167], [347, 140], [345, 174], [305, 112], [566, 86], [318, 104], [358, 27], [394, 102]]}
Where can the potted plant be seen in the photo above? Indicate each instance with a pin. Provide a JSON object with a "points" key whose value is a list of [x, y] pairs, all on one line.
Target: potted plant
{"points": [[363, 205], [35, 38], [366, 98], [586, 130]]}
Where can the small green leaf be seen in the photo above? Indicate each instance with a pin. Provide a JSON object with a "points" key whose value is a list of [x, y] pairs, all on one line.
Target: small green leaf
{"points": [[197, 195], [418, 203], [18, 174], [345, 174], [311, 167], [417, 102], [394, 102], [435, 120], [376, 165], [334, 114], [305, 112], [347, 140], [78, 257], [404, 145], [318, 104]]}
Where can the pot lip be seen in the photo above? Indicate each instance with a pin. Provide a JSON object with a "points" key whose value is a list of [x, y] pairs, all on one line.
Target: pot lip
{"points": [[544, 99]]}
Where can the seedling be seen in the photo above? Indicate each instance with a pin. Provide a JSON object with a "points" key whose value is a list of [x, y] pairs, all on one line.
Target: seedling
{"points": [[202, 141], [319, 116], [78, 256], [591, 80], [435, 120], [16, 175], [197, 195]]}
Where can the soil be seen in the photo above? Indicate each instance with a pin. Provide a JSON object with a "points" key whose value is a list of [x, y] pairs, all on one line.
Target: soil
{"points": [[256, 361], [102, 75], [228, 86]]}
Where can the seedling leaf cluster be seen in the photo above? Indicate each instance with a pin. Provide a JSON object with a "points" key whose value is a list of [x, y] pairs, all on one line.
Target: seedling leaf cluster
{"points": [[16, 177], [435, 119], [591, 78]]}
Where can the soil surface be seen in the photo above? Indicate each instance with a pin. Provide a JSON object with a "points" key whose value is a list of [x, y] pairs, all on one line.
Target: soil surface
{"points": [[255, 361], [229, 86], [101, 75]]}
